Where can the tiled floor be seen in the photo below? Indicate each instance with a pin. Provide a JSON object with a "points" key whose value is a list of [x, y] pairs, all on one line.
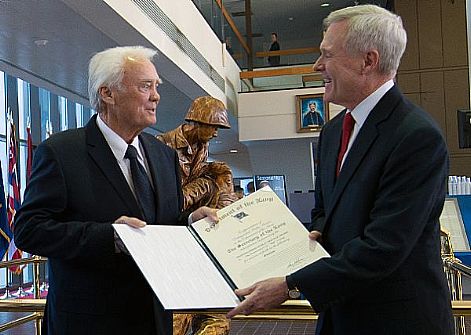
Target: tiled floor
{"points": [[240, 327]]}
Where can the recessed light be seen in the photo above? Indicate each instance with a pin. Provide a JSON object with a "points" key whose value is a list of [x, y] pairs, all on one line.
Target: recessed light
{"points": [[41, 42], [325, 4], [291, 18], [233, 151]]}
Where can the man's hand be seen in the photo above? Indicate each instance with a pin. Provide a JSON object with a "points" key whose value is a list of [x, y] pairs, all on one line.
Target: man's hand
{"points": [[133, 222], [262, 295], [204, 212], [315, 235]]}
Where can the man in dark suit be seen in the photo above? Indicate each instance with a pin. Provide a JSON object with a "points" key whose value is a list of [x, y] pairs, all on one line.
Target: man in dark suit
{"points": [[378, 201], [82, 182]]}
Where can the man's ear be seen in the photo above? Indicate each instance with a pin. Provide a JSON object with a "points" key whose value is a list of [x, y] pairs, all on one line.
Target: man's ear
{"points": [[370, 61], [106, 95]]}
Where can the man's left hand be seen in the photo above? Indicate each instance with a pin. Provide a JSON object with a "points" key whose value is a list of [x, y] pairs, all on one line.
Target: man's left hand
{"points": [[205, 212], [262, 295]]}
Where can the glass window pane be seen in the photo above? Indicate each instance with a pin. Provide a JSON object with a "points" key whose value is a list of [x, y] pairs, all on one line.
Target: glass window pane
{"points": [[45, 105], [23, 107], [79, 109], [2, 104], [62, 105]]}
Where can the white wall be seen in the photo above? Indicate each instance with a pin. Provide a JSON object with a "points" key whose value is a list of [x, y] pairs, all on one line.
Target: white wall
{"points": [[271, 115], [290, 157]]}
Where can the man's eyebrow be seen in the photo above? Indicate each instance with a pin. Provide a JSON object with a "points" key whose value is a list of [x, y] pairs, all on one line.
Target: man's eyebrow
{"points": [[158, 80]]}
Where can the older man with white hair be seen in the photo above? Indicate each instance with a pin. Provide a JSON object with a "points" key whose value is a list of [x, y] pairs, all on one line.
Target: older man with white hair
{"points": [[86, 179]]}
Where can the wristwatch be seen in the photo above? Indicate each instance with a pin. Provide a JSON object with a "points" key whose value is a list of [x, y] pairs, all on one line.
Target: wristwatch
{"points": [[293, 291]]}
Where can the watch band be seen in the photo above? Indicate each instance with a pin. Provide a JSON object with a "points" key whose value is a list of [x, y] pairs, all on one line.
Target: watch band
{"points": [[290, 283]]}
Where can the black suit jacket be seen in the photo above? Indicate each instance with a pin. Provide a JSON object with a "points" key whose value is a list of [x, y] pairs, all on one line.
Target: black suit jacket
{"points": [[76, 192], [380, 222]]}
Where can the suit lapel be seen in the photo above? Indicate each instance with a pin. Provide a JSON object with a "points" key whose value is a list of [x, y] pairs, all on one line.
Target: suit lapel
{"points": [[360, 148], [101, 153]]}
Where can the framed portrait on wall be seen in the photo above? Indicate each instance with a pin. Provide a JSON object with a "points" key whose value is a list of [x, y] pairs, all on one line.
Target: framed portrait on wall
{"points": [[311, 112]]}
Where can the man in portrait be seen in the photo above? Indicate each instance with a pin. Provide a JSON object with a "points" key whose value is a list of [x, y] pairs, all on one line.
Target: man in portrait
{"points": [[313, 117]]}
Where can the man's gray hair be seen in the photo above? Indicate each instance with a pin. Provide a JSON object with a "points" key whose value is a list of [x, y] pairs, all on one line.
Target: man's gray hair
{"points": [[372, 27], [106, 68]]}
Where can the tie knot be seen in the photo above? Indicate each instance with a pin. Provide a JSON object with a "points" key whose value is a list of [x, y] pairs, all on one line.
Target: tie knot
{"points": [[131, 152]]}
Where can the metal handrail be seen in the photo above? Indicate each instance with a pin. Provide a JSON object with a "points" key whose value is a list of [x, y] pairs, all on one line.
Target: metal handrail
{"points": [[25, 305], [457, 265]]}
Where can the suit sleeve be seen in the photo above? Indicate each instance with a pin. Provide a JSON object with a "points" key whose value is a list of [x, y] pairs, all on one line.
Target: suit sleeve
{"points": [[408, 203], [41, 224]]}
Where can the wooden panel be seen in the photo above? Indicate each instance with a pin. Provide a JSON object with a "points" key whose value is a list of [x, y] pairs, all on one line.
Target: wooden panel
{"points": [[430, 34], [277, 72], [407, 9], [460, 165], [432, 98], [454, 33], [414, 98], [456, 97], [409, 83]]}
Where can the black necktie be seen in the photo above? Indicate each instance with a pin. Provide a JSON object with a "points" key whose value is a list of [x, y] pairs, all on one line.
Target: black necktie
{"points": [[142, 187]]}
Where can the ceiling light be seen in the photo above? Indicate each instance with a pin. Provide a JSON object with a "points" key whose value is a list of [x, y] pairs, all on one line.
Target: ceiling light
{"points": [[41, 42], [291, 18], [325, 4], [233, 151]]}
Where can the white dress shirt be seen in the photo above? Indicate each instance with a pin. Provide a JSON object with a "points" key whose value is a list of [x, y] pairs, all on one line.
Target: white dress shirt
{"points": [[361, 112], [118, 147]]}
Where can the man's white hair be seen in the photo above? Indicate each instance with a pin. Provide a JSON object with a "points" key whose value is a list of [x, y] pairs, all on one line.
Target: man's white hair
{"points": [[106, 68], [372, 27]]}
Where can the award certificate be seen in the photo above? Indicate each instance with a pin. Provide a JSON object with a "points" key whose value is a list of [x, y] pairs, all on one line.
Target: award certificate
{"points": [[198, 267], [258, 237]]}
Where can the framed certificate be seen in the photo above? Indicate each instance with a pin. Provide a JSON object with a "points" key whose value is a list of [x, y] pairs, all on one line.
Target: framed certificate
{"points": [[451, 221]]}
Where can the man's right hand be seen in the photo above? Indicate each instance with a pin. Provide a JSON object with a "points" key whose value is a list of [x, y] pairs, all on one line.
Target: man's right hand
{"points": [[133, 222], [315, 235]]}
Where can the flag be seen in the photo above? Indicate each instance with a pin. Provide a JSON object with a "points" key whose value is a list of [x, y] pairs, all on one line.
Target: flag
{"points": [[6, 233], [29, 162], [14, 200]]}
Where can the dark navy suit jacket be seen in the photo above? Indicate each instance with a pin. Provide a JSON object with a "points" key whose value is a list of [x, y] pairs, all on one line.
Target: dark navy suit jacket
{"points": [[380, 222], [76, 192]]}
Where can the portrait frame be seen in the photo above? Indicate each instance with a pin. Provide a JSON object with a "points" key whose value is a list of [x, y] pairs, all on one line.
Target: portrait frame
{"points": [[306, 122]]}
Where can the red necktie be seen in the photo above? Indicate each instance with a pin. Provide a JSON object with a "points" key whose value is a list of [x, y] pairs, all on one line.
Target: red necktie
{"points": [[347, 127]]}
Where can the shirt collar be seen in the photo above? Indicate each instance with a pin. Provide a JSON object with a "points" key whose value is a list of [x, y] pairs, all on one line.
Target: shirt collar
{"points": [[361, 112], [117, 144]]}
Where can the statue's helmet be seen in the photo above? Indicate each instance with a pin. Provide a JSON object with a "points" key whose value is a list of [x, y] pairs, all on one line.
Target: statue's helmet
{"points": [[208, 110]]}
